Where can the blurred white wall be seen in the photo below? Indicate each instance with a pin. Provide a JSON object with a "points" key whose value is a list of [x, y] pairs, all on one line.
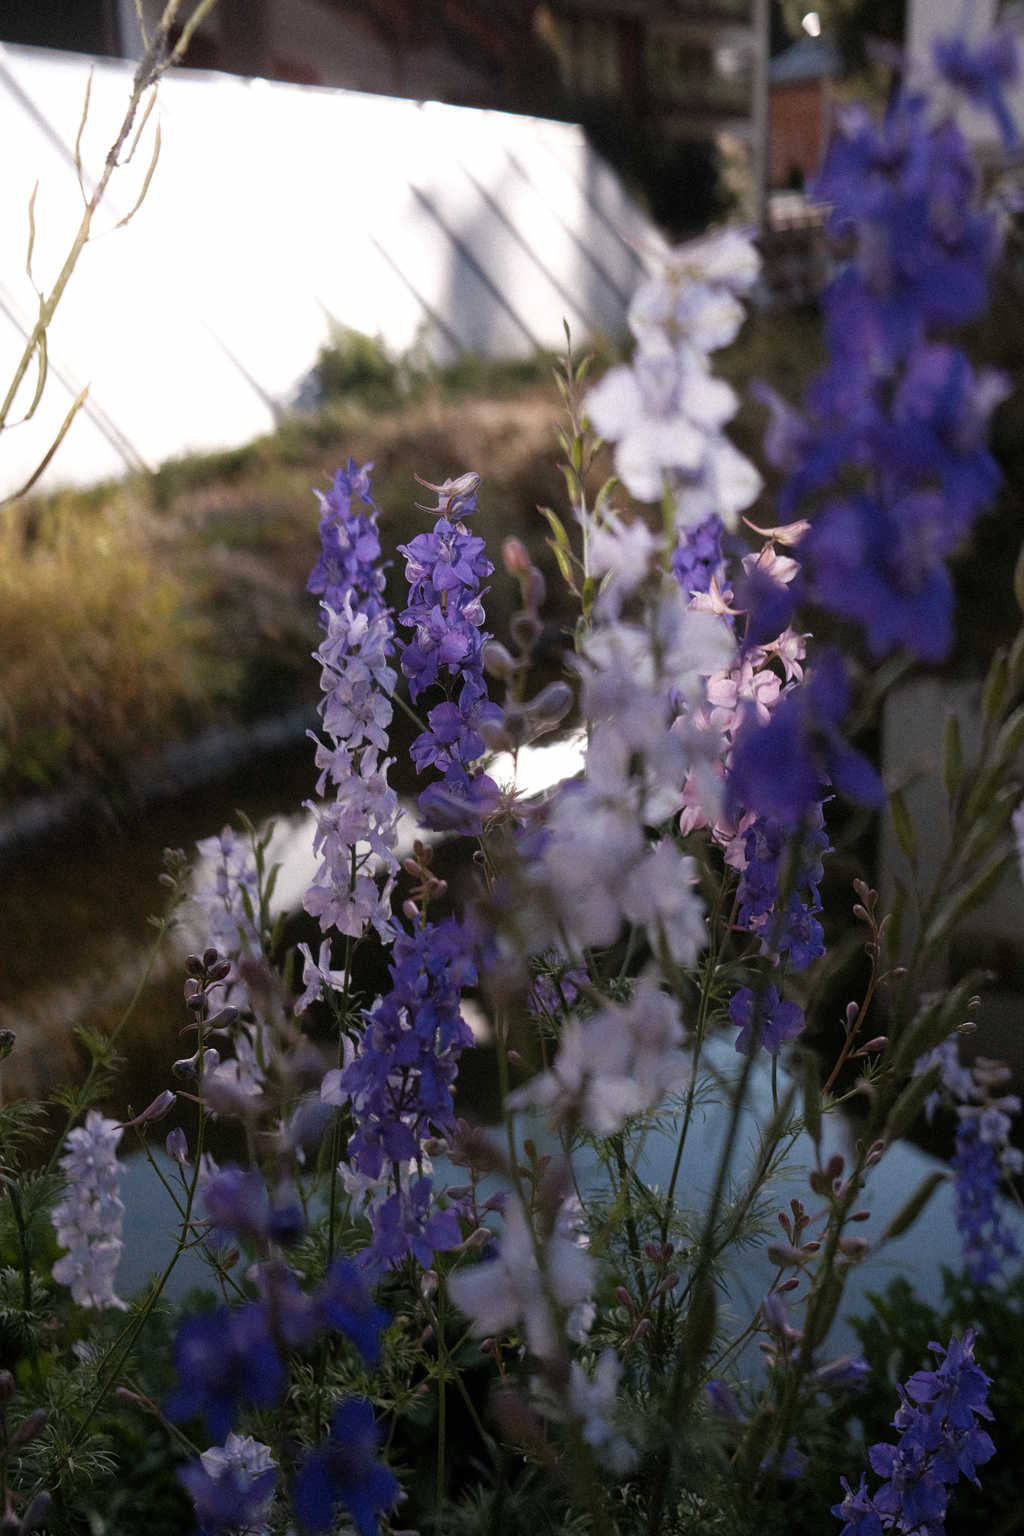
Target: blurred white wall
{"points": [[273, 207]]}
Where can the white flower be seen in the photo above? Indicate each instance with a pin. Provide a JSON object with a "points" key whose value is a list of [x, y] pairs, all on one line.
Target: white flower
{"points": [[666, 412], [594, 1402], [496, 1295], [624, 552], [615, 1064], [316, 975], [660, 893]]}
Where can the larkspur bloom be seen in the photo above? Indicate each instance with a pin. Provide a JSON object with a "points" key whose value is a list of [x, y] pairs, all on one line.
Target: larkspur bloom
{"points": [[232, 1487], [616, 1063], [223, 897], [225, 1360], [345, 1470], [983, 1155], [764, 1022], [939, 1440], [356, 833], [445, 569], [510, 1287], [666, 412], [899, 414], [89, 1219], [397, 1082]]}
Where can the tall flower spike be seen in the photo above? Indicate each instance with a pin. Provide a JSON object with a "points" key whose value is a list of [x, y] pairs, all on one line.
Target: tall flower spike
{"points": [[445, 569], [88, 1220], [356, 833], [898, 417]]}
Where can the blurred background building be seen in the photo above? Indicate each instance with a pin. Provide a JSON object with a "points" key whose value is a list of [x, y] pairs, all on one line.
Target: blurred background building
{"points": [[671, 92]]}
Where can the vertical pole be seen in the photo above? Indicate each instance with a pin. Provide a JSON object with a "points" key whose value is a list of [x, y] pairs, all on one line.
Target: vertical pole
{"points": [[759, 110]]}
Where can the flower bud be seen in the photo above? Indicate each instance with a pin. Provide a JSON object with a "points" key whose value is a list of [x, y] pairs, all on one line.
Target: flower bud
{"points": [[210, 958], [223, 1019], [854, 1248], [499, 662], [551, 705], [478, 1239], [31, 1426], [161, 1106], [428, 1283], [525, 630], [194, 965], [36, 1511], [516, 557], [219, 971], [177, 1146]]}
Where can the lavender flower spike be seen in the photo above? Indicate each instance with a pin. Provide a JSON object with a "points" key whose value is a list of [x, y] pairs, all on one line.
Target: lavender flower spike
{"points": [[88, 1220]]}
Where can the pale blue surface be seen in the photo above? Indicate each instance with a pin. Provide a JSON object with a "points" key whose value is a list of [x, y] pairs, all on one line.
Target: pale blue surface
{"points": [[920, 1254]]}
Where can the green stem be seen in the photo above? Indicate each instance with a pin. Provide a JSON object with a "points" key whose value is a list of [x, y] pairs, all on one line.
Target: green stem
{"points": [[442, 1360]]}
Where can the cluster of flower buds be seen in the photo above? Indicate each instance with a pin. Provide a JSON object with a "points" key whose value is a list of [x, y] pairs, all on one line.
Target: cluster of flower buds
{"points": [[522, 722], [206, 972]]}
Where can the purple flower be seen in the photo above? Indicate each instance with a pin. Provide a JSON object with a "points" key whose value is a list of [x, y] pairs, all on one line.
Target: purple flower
{"points": [[225, 1360], [406, 1223], [937, 1443], [698, 555], [351, 545], [985, 1236], [847, 1374], [767, 1022], [406, 1061], [983, 73], [344, 1302], [782, 769], [897, 416], [723, 1403], [232, 1488], [345, 1470], [445, 569], [236, 1201], [860, 1514]]}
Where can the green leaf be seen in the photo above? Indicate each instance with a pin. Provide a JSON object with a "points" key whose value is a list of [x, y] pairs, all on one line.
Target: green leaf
{"points": [[903, 826], [1011, 736], [904, 1113], [893, 937], [1018, 580], [989, 827], [994, 693], [812, 1096], [971, 895], [908, 1214], [556, 526], [952, 757]]}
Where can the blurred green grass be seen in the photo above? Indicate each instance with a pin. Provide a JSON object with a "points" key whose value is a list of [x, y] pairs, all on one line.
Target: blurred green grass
{"points": [[138, 612]]}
